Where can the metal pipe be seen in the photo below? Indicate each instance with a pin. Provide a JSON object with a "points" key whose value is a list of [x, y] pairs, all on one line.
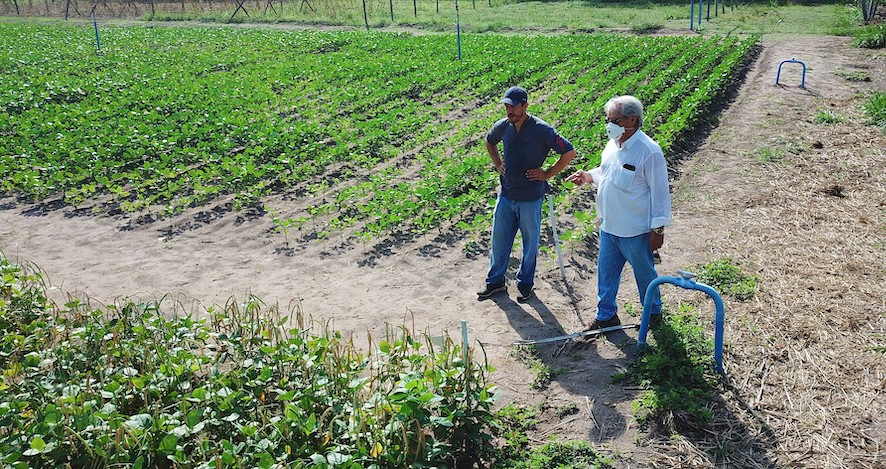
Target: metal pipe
{"points": [[458, 29], [556, 236], [98, 46], [699, 15], [685, 281], [792, 60]]}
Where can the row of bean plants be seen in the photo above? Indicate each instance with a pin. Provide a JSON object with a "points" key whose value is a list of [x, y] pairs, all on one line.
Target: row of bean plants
{"points": [[148, 385], [370, 132]]}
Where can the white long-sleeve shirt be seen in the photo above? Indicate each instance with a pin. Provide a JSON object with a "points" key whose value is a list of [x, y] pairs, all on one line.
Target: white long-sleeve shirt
{"points": [[632, 187]]}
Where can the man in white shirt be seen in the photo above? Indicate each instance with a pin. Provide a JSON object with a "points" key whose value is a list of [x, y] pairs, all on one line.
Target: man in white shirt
{"points": [[633, 204]]}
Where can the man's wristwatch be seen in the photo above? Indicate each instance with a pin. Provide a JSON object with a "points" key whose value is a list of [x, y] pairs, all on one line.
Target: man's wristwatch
{"points": [[659, 230]]}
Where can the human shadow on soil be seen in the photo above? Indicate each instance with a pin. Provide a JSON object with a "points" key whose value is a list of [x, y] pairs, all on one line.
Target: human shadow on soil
{"points": [[578, 369], [602, 370], [400, 239]]}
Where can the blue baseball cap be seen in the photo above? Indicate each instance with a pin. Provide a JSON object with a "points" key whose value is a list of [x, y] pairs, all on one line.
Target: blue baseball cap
{"points": [[515, 95]]}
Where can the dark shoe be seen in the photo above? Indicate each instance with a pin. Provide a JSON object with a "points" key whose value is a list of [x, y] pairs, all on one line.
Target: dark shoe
{"points": [[526, 294], [598, 324], [490, 291]]}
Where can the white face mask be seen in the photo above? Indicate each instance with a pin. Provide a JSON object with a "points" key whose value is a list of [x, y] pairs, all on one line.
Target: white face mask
{"points": [[614, 131]]}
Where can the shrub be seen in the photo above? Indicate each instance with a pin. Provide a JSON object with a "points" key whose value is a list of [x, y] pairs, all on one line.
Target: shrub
{"points": [[876, 109], [127, 385], [677, 372], [873, 37], [725, 277]]}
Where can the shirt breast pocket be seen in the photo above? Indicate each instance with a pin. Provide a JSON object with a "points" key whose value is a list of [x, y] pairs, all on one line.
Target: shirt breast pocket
{"points": [[623, 177]]}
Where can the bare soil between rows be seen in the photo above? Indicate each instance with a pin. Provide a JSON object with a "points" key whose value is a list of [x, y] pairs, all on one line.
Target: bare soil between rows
{"points": [[796, 203]]}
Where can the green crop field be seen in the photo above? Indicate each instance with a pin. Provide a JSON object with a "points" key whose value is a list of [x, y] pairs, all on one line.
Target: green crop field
{"points": [[371, 132]]}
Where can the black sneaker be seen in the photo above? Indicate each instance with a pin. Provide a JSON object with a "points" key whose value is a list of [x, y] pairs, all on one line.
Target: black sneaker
{"points": [[598, 324], [490, 291], [525, 295]]}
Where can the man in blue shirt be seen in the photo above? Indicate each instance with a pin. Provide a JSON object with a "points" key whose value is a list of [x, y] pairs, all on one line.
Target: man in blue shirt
{"points": [[633, 204], [527, 142]]}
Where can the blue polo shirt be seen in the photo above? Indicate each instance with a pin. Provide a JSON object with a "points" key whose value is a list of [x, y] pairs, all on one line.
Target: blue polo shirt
{"points": [[525, 150]]}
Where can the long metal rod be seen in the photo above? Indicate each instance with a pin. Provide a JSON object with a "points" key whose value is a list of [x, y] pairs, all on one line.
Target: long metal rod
{"points": [[558, 338], [556, 236], [98, 45], [458, 29]]}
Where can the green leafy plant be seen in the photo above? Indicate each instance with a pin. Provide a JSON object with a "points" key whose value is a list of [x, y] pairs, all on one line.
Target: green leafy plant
{"points": [[875, 109], [728, 279], [766, 155], [562, 455], [825, 117], [23, 302], [514, 424], [677, 371], [131, 384], [854, 75], [282, 225], [528, 355], [872, 37]]}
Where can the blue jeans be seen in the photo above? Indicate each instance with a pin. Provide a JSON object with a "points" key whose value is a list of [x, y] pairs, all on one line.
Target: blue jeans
{"points": [[511, 215], [614, 251]]}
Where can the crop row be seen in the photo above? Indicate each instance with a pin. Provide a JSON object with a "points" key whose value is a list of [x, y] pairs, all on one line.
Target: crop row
{"points": [[140, 385], [380, 131]]}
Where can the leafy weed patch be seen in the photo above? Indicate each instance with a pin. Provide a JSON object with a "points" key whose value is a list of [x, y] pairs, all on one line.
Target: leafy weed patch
{"points": [[728, 279], [514, 425], [528, 355], [824, 117], [876, 109], [872, 37], [677, 372]]}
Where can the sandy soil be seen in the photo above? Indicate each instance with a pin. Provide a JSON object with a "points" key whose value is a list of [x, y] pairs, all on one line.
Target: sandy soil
{"points": [[796, 203]]}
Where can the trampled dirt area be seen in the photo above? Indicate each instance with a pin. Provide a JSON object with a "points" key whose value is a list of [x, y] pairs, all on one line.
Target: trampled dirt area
{"points": [[797, 203]]}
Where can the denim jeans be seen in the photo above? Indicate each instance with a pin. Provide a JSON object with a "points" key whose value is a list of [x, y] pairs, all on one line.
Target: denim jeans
{"points": [[511, 215], [614, 251]]}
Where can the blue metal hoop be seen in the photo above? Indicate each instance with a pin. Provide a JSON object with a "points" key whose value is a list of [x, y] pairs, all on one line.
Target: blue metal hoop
{"points": [[792, 60]]}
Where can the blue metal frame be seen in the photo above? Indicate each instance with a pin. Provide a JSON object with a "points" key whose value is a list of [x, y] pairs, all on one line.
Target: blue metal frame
{"points": [[98, 46], [685, 281], [792, 60], [458, 29]]}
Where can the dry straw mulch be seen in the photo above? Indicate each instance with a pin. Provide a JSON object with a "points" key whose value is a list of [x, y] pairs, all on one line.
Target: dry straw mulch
{"points": [[801, 206]]}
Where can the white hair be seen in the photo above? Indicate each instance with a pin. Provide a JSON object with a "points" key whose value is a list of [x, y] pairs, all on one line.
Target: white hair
{"points": [[627, 106]]}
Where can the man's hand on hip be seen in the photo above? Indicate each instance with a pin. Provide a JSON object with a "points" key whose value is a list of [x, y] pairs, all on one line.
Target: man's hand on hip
{"points": [[537, 174]]}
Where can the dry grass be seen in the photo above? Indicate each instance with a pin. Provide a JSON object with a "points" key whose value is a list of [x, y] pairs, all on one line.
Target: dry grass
{"points": [[806, 362]]}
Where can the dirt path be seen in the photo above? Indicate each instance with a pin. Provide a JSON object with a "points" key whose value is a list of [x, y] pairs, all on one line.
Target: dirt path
{"points": [[799, 204]]}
